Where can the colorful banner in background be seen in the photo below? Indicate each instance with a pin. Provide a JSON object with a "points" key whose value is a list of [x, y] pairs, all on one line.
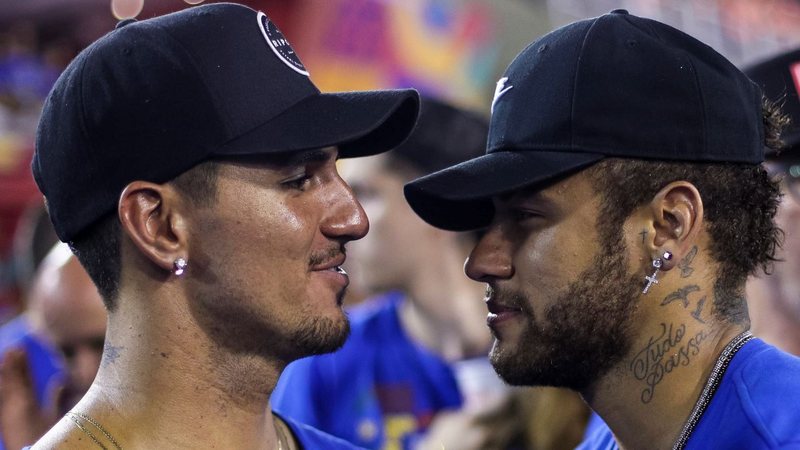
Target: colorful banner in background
{"points": [[445, 48]]}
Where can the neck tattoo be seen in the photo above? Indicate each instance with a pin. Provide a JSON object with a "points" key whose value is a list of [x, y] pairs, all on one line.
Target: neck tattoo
{"points": [[710, 388], [81, 419]]}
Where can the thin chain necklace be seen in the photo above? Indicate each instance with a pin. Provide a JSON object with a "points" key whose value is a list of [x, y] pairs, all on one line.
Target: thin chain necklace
{"points": [[76, 417], [711, 387]]}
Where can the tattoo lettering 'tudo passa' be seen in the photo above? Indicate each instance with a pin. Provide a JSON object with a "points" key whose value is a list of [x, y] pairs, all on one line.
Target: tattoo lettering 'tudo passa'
{"points": [[663, 354], [681, 294], [685, 264]]}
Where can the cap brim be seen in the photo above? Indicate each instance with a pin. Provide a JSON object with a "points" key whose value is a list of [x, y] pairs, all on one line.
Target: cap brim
{"points": [[459, 198], [359, 123]]}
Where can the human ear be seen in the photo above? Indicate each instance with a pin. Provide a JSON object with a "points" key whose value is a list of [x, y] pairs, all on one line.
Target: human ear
{"points": [[150, 216], [677, 219]]}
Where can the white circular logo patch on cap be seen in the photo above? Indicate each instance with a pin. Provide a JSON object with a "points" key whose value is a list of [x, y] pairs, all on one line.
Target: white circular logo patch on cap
{"points": [[279, 44]]}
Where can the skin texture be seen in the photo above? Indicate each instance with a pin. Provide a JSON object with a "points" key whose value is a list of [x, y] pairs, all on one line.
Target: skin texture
{"points": [[190, 361], [66, 310], [566, 306], [774, 299]]}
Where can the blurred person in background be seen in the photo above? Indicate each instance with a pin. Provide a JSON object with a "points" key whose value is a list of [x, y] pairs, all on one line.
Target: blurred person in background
{"points": [[413, 373], [190, 163], [66, 314], [774, 298]]}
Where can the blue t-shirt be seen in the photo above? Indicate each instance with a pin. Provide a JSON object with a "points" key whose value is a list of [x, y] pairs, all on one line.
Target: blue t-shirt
{"points": [[380, 389], [756, 406], [312, 439], [45, 363]]}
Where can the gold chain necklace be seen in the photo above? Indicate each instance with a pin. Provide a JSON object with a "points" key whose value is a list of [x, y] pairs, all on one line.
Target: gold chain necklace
{"points": [[281, 437], [77, 417]]}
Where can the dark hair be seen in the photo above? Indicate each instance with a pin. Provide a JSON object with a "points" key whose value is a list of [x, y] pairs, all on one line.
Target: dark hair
{"points": [[98, 247], [740, 202]]}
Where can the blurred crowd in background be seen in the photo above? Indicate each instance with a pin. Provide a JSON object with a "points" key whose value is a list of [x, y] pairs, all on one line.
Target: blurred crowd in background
{"points": [[450, 50]]}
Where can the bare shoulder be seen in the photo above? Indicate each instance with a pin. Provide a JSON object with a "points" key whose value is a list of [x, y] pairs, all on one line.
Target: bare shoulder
{"points": [[64, 436]]}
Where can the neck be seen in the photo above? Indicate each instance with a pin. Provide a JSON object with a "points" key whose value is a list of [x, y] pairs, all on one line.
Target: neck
{"points": [[647, 398], [163, 384]]}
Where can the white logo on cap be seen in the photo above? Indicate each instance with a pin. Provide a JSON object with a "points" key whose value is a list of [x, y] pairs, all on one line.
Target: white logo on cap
{"points": [[499, 90], [279, 45]]}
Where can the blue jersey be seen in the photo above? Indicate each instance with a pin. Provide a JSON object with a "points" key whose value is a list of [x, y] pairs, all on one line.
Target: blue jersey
{"points": [[46, 367], [379, 390], [313, 439], [756, 406]]}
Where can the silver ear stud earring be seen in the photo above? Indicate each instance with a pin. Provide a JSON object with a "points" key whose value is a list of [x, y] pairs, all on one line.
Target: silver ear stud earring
{"points": [[179, 266], [657, 263]]}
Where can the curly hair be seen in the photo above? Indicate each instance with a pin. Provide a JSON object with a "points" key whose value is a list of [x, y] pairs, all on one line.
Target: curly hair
{"points": [[98, 247], [740, 202]]}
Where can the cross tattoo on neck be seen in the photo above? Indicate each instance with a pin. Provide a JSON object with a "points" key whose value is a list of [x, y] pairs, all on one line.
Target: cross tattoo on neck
{"points": [[651, 280]]}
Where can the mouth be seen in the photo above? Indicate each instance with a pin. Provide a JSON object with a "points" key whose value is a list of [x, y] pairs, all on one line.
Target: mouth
{"points": [[332, 270], [499, 311]]}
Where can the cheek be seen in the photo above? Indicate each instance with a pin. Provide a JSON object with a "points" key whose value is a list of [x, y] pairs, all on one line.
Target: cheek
{"points": [[554, 257]]}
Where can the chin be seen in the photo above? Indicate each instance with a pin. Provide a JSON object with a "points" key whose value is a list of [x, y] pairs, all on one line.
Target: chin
{"points": [[322, 335]]}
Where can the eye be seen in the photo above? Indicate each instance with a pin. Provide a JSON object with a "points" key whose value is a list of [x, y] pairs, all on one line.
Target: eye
{"points": [[299, 182], [521, 215]]}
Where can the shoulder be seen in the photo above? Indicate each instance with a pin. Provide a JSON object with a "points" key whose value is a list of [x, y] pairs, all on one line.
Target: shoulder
{"points": [[767, 383], [311, 438]]}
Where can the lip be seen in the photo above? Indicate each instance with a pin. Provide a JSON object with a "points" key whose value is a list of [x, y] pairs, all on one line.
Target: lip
{"points": [[332, 270], [499, 313]]}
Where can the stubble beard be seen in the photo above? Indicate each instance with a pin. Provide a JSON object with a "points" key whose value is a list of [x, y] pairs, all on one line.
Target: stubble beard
{"points": [[583, 334], [235, 326]]}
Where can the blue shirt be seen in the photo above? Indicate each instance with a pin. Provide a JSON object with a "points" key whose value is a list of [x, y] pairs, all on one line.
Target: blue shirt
{"points": [[380, 389], [312, 439], [45, 363], [756, 406]]}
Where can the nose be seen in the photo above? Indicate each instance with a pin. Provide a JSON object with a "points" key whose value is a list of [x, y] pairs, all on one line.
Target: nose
{"points": [[491, 258], [345, 219]]}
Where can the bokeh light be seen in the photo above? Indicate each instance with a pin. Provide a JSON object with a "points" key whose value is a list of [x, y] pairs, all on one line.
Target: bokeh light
{"points": [[126, 9]]}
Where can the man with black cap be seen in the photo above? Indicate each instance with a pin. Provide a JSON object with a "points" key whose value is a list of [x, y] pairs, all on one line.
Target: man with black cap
{"points": [[398, 373], [624, 206], [774, 298], [189, 162]]}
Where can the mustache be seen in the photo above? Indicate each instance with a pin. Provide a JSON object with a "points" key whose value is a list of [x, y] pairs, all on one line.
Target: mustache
{"points": [[507, 297], [322, 256]]}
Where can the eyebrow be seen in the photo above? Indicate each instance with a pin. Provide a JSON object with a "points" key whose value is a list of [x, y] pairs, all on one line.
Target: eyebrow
{"points": [[284, 160], [310, 156]]}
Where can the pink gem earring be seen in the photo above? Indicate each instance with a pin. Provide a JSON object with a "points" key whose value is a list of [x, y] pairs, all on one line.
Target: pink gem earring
{"points": [[657, 263], [179, 266]]}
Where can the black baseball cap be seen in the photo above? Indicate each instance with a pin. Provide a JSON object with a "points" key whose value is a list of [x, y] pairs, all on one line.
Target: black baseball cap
{"points": [[153, 98], [779, 78], [617, 85]]}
